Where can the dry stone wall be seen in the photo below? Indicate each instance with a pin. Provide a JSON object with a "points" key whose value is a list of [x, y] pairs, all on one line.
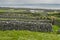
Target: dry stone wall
{"points": [[24, 21], [21, 25]]}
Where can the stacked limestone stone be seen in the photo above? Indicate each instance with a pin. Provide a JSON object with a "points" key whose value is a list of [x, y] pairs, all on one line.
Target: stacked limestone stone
{"points": [[20, 25], [24, 21]]}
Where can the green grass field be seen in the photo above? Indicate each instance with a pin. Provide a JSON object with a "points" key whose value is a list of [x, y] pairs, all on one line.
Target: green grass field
{"points": [[27, 35]]}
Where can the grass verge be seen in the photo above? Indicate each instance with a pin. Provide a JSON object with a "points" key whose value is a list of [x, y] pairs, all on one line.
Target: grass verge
{"points": [[27, 35]]}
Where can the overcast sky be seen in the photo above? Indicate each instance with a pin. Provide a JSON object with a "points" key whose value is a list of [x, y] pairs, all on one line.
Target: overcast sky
{"points": [[18, 3], [29, 1]]}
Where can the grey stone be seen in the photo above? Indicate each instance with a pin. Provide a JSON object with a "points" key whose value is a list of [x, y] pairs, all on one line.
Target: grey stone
{"points": [[19, 25]]}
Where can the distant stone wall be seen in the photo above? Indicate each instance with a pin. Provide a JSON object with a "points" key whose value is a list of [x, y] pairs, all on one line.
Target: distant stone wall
{"points": [[20, 25]]}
